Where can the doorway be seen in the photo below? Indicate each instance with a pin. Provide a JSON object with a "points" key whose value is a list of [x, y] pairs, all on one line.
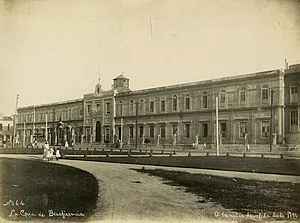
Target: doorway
{"points": [[98, 131]]}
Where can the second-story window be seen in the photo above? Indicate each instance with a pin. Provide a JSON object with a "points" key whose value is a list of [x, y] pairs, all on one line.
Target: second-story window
{"points": [[131, 105], [151, 105], [175, 103], [108, 108], [204, 100], [222, 97], [265, 92], [88, 109], [242, 95], [294, 92], [98, 107], [163, 105], [141, 106], [187, 103], [121, 108]]}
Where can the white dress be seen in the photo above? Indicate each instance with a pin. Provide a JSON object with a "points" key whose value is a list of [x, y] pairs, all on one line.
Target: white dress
{"points": [[57, 154]]}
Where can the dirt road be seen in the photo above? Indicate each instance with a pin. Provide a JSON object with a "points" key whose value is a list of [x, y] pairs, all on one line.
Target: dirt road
{"points": [[129, 196]]}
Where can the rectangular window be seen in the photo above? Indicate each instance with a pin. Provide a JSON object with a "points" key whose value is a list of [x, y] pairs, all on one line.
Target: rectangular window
{"points": [[223, 129], [108, 108], [187, 130], [163, 131], [187, 103], [141, 131], [265, 129], [151, 130], [8, 127], [294, 118], [151, 106], [242, 96], [88, 109], [121, 109], [0, 127], [243, 129], [204, 101], [174, 129], [163, 106], [204, 130], [81, 112], [131, 131]]}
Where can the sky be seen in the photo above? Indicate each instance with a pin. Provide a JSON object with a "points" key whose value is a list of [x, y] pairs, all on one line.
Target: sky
{"points": [[55, 50]]}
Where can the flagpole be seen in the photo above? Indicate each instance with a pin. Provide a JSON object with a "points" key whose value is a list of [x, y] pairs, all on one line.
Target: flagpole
{"points": [[24, 134], [217, 125], [14, 132]]}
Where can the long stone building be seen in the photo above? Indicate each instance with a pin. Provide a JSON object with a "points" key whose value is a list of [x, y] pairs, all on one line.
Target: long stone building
{"points": [[257, 108]]}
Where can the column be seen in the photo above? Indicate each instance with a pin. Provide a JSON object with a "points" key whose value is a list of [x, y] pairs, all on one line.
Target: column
{"points": [[174, 140], [55, 136], [158, 139], [128, 139], [196, 141], [143, 138]]}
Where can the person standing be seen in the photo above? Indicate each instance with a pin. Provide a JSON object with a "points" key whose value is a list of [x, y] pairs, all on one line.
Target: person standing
{"points": [[66, 144], [57, 154]]}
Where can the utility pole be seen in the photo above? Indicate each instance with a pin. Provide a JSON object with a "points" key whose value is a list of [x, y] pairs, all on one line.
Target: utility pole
{"points": [[136, 124], [46, 128], [14, 128], [121, 143], [33, 124], [217, 125], [24, 134], [271, 121]]}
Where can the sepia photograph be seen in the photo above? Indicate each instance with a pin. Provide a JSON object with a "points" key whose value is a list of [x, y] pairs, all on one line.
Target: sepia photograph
{"points": [[174, 111]]}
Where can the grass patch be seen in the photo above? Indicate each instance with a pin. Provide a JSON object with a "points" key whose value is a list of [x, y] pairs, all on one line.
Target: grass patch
{"points": [[242, 196], [244, 164], [45, 190]]}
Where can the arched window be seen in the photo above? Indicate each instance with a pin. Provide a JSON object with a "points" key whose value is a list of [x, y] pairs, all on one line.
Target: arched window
{"points": [[222, 100], [204, 100], [131, 105], [175, 102], [121, 108], [265, 92], [294, 92], [187, 102], [151, 105], [142, 106], [163, 104]]}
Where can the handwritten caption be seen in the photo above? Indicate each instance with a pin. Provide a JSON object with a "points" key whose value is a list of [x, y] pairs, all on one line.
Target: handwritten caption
{"points": [[260, 216], [23, 213]]}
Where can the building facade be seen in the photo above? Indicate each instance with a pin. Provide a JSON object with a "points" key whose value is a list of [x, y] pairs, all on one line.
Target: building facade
{"points": [[256, 108], [6, 129]]}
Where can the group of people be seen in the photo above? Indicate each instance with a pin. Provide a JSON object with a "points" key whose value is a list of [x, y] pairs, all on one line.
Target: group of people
{"points": [[49, 153]]}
